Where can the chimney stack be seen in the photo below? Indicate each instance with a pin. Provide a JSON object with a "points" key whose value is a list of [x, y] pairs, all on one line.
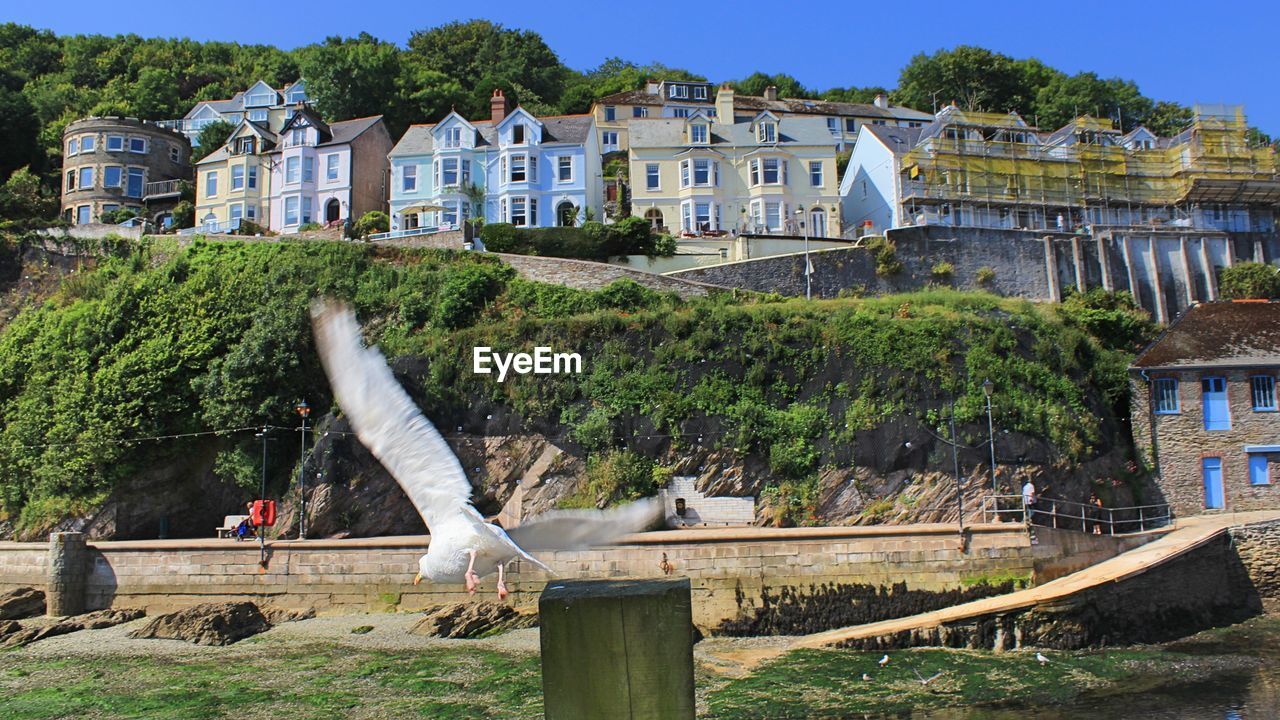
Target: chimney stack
{"points": [[881, 101], [498, 106], [771, 92], [724, 104]]}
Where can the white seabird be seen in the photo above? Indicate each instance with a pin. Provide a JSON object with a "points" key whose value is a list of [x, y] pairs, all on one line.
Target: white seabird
{"points": [[417, 456]]}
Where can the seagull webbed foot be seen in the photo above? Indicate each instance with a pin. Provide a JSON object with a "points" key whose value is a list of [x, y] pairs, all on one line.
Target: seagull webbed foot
{"points": [[473, 582]]}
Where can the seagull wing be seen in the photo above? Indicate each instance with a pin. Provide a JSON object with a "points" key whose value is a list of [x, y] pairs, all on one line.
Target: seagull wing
{"points": [[387, 421], [580, 529]]}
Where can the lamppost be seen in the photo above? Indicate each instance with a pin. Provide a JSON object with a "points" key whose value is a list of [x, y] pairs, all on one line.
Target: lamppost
{"points": [[304, 410], [262, 532], [808, 269], [989, 387], [955, 461]]}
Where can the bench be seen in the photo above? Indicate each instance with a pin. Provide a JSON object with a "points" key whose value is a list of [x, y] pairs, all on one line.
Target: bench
{"points": [[229, 525]]}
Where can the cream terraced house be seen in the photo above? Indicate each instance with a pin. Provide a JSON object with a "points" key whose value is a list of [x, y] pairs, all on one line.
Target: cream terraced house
{"points": [[694, 176], [261, 104], [307, 172], [681, 99]]}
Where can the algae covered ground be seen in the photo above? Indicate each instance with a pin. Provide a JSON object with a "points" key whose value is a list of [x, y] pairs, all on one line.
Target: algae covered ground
{"points": [[308, 674]]}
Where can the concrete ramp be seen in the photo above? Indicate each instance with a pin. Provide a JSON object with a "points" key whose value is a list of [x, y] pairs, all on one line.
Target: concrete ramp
{"points": [[1190, 534]]}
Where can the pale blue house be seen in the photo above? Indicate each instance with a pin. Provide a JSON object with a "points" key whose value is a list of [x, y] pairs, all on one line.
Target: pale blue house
{"points": [[531, 172]]}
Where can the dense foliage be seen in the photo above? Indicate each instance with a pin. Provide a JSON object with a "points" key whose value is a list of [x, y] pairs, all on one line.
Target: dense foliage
{"points": [[161, 340], [1250, 280], [48, 80], [590, 241]]}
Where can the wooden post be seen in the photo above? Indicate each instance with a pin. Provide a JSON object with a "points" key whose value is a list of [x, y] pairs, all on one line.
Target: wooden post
{"points": [[617, 649]]}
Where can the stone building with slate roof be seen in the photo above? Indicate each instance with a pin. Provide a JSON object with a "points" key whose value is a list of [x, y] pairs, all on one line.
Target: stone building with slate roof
{"points": [[1204, 407]]}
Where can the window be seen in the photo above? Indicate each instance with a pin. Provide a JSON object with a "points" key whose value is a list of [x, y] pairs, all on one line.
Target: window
{"points": [[306, 209], [700, 92], [815, 173], [258, 115], [237, 177], [879, 122], [138, 145], [754, 172], [652, 178], [564, 169], [519, 216], [702, 172], [833, 125], [639, 111], [518, 163], [210, 184], [115, 143], [448, 169], [291, 210], [699, 173], [291, 165], [680, 112], [610, 113], [258, 99], [253, 181], [251, 211], [109, 208], [409, 178], [466, 172], [1165, 393], [331, 167], [87, 144], [86, 178], [772, 170], [175, 155], [767, 132], [1264, 392], [298, 136], [244, 146], [73, 147], [82, 215], [698, 134], [679, 91], [308, 169], [134, 180], [71, 180], [411, 221], [453, 137], [112, 176], [1259, 472], [850, 125], [773, 216], [237, 212], [609, 138], [1216, 414], [702, 215], [517, 134]]}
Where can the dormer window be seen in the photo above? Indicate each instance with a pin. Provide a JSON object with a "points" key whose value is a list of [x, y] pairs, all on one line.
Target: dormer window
{"points": [[679, 91], [698, 134], [259, 99], [767, 132], [298, 136], [453, 137], [518, 134], [639, 111], [700, 92], [258, 115], [244, 146]]}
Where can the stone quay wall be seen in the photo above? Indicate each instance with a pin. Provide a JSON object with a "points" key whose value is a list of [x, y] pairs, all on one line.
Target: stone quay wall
{"points": [[1258, 547], [729, 567]]}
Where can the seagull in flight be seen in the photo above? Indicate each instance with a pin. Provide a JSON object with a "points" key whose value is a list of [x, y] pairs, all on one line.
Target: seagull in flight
{"points": [[463, 545]]}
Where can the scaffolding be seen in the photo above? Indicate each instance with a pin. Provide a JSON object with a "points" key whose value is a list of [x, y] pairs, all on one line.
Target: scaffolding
{"points": [[1003, 172]]}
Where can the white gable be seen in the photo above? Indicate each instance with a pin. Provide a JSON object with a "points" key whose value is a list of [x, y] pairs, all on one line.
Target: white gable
{"points": [[260, 95]]}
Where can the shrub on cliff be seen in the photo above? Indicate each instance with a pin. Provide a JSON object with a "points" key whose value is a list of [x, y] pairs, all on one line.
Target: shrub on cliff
{"points": [[590, 241], [1250, 281]]}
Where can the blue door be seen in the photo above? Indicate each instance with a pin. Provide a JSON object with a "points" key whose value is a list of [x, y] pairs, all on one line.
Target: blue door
{"points": [[1212, 483], [1216, 416]]}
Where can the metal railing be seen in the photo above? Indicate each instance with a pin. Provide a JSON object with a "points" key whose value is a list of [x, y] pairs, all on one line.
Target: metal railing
{"points": [[409, 233], [1081, 517], [212, 228]]}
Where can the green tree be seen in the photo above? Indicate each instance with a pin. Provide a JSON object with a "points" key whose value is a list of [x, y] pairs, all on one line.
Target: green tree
{"points": [[19, 127], [23, 198], [1168, 118], [155, 94], [354, 77], [1066, 98], [972, 77], [863, 95], [211, 137], [481, 55], [757, 82], [1250, 281]]}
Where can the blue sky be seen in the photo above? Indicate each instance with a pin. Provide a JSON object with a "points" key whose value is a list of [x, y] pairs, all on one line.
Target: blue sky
{"points": [[1223, 51]]}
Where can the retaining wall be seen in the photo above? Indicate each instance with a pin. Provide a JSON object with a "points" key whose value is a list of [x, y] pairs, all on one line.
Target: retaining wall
{"points": [[729, 567]]}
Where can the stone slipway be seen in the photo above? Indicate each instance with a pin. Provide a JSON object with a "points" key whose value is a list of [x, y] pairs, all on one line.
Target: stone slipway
{"points": [[1190, 534]]}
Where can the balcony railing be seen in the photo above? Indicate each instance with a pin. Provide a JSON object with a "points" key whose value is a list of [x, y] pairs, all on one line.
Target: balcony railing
{"points": [[154, 190], [410, 233]]}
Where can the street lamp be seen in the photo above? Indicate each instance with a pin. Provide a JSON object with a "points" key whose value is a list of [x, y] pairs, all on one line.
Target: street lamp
{"points": [[304, 410], [808, 269], [262, 531], [988, 388]]}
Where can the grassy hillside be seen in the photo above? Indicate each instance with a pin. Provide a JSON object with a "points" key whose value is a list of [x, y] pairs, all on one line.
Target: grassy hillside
{"points": [[212, 339]]}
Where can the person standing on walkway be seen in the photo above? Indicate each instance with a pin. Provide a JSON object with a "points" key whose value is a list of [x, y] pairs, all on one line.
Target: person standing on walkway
{"points": [[1028, 499]]}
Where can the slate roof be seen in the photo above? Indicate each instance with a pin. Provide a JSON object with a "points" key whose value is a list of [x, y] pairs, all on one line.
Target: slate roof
{"points": [[670, 132], [556, 129], [348, 130], [1218, 334], [899, 140], [804, 106]]}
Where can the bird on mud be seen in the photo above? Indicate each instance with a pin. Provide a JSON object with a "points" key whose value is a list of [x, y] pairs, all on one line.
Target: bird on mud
{"points": [[390, 425], [884, 661]]}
